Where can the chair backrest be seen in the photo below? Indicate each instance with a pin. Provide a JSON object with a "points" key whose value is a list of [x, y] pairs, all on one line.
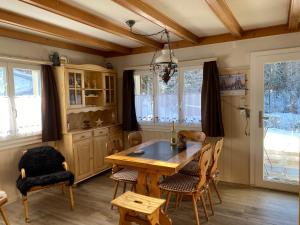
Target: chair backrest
{"points": [[204, 161], [116, 146], [215, 156], [192, 135], [135, 138], [41, 161]]}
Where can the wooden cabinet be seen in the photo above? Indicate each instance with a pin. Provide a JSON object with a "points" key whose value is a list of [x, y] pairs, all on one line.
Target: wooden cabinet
{"points": [[83, 158], [87, 95]]}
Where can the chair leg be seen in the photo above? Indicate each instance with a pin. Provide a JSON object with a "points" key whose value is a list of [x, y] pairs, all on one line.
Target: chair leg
{"points": [[210, 201], [115, 192], [177, 200], [167, 201], [194, 198], [26, 210], [216, 189], [63, 189], [4, 216], [71, 197], [180, 200], [204, 206], [124, 187]]}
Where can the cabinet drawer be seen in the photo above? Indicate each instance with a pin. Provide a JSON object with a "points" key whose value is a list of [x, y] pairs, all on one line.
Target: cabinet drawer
{"points": [[81, 136], [115, 130], [101, 131]]}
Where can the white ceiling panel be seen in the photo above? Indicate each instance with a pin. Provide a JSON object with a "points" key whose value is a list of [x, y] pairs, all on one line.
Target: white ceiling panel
{"points": [[195, 15], [45, 16], [253, 14], [119, 15]]}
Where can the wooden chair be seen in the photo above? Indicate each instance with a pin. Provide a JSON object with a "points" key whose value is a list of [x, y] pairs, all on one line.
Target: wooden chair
{"points": [[192, 168], [182, 184], [135, 138], [139, 209], [3, 200], [123, 175], [213, 171], [41, 168]]}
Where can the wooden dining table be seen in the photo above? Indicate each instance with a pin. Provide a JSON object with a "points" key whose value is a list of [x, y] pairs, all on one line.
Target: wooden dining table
{"points": [[154, 159]]}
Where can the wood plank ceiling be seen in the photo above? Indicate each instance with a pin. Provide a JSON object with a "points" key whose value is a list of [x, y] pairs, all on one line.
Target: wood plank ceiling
{"points": [[53, 34]]}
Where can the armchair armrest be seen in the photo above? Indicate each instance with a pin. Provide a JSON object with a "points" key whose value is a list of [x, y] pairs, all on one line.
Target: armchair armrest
{"points": [[23, 174], [65, 165]]}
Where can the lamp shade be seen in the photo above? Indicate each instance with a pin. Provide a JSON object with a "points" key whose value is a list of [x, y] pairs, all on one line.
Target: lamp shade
{"points": [[165, 57]]}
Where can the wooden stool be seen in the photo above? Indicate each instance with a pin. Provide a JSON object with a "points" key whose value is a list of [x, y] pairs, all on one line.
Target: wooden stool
{"points": [[3, 200], [138, 208]]}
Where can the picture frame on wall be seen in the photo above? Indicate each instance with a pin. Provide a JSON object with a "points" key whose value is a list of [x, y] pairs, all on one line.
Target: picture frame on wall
{"points": [[233, 84]]}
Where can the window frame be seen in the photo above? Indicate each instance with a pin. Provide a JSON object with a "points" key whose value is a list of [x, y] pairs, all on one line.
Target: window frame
{"points": [[17, 140], [154, 125]]}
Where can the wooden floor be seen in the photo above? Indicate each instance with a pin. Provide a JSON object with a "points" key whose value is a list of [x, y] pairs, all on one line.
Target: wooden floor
{"points": [[241, 206]]}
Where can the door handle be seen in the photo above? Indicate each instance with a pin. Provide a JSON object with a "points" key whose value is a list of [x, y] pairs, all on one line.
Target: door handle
{"points": [[261, 119]]}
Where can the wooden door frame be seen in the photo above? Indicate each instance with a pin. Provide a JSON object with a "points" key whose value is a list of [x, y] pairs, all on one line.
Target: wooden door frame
{"points": [[256, 89]]}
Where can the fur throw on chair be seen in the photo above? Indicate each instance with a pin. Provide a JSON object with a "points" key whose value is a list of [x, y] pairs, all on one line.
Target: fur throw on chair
{"points": [[43, 166]]}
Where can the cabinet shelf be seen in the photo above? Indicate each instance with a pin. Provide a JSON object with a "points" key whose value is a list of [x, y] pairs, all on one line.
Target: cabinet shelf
{"points": [[88, 109], [92, 96], [93, 89]]}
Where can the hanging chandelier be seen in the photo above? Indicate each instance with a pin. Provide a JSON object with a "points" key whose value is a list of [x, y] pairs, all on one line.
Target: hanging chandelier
{"points": [[164, 63]]}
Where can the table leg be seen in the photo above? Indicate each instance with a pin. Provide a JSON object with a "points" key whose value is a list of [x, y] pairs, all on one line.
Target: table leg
{"points": [[141, 183], [154, 189]]}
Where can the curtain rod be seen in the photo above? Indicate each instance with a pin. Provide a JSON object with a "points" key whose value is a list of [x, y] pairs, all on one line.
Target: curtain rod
{"points": [[192, 62], [25, 60]]}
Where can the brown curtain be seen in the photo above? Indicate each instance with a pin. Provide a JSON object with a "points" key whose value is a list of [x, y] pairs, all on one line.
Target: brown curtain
{"points": [[211, 113], [129, 116], [51, 120]]}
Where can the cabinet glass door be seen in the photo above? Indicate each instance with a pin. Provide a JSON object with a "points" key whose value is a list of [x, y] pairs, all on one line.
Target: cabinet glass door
{"points": [[109, 85], [75, 84]]}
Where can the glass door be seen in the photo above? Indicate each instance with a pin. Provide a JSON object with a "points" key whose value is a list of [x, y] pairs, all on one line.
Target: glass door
{"points": [[75, 88], [278, 128]]}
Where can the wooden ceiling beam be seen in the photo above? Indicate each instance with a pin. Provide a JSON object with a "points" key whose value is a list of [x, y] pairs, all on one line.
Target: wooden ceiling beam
{"points": [[294, 15], [47, 28], [141, 8], [61, 8], [225, 15], [248, 34], [19, 35]]}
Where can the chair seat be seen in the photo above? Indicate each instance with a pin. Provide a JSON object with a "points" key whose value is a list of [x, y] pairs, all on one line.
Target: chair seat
{"points": [[192, 168], [24, 185], [180, 183], [3, 197], [125, 175]]}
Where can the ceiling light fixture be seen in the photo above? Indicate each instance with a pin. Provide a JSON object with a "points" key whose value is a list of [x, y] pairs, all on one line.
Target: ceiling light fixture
{"points": [[164, 64]]}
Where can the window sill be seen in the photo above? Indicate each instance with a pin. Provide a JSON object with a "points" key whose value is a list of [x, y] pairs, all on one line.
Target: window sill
{"points": [[14, 142], [167, 127]]}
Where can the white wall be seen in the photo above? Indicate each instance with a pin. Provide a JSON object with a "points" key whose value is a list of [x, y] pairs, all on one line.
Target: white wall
{"points": [[24, 49], [9, 158], [231, 55]]}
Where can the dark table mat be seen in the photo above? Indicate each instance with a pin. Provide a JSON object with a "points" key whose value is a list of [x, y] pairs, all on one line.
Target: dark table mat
{"points": [[161, 150]]}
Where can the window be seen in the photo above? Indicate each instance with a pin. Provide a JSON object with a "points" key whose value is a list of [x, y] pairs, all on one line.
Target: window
{"points": [[179, 100], [20, 100]]}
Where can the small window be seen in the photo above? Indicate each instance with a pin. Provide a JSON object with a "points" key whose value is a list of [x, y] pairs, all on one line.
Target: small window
{"points": [[192, 96], [20, 100], [178, 101], [144, 97], [167, 100]]}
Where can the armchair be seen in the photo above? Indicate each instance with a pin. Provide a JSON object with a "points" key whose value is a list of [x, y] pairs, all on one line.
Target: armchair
{"points": [[41, 168]]}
